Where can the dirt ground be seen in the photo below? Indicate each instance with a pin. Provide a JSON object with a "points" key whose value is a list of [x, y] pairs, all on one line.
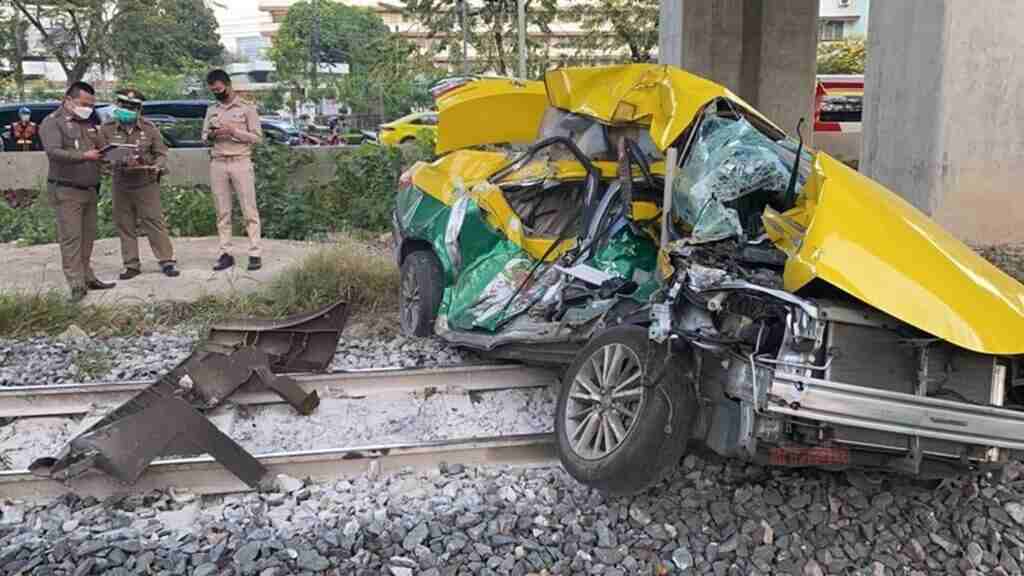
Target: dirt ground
{"points": [[38, 269]]}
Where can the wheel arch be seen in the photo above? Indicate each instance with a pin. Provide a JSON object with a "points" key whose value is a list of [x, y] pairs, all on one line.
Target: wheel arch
{"points": [[410, 245]]}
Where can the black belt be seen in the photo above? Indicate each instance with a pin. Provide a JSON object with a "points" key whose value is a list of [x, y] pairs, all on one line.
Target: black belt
{"points": [[70, 185]]}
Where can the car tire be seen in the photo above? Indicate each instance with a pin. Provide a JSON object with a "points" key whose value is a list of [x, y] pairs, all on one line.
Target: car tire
{"points": [[650, 443], [420, 293]]}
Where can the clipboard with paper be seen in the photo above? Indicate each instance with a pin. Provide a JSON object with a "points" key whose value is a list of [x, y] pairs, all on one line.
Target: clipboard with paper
{"points": [[117, 153]]}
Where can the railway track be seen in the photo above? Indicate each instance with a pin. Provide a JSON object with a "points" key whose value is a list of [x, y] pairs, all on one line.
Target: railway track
{"points": [[203, 475], [75, 399]]}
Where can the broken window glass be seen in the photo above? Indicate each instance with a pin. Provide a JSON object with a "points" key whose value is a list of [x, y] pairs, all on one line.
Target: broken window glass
{"points": [[732, 172]]}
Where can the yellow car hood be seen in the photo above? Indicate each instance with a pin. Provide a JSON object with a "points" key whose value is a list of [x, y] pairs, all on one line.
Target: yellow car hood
{"points": [[664, 97], [859, 236], [490, 111]]}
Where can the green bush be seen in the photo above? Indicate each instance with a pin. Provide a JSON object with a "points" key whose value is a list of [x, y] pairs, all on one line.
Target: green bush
{"points": [[362, 194], [28, 225], [843, 57], [287, 209], [189, 210], [292, 206]]}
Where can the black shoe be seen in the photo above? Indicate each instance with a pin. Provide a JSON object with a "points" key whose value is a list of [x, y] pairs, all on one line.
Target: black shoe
{"points": [[255, 263], [77, 293], [99, 285], [224, 262], [129, 273], [168, 270]]}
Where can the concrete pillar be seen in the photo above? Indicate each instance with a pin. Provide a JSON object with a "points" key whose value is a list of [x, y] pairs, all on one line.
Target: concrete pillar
{"points": [[762, 50], [943, 113]]}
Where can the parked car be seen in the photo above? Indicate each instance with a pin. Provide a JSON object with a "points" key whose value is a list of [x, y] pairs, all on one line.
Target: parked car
{"points": [[698, 276], [405, 129], [280, 131], [40, 110]]}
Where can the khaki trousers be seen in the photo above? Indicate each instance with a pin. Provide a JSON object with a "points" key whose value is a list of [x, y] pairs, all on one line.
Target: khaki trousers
{"points": [[235, 174], [141, 204], [76, 231]]}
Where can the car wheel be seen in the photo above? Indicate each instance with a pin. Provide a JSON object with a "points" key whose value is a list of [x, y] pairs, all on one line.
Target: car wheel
{"points": [[615, 433], [421, 291]]}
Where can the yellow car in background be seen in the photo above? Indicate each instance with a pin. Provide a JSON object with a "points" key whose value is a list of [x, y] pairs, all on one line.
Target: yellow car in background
{"points": [[405, 129]]}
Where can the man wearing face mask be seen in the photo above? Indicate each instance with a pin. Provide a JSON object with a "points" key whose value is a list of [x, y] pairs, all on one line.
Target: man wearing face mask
{"points": [[72, 143], [136, 191], [24, 131], [232, 127]]}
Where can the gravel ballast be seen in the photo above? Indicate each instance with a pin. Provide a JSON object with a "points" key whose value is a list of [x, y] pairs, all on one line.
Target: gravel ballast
{"points": [[46, 361], [711, 517], [335, 423]]}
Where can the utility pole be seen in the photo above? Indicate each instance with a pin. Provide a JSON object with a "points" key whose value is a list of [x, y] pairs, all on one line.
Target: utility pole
{"points": [[19, 57], [314, 46], [522, 39], [465, 37]]}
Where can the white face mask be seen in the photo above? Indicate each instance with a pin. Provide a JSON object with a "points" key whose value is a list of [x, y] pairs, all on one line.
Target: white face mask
{"points": [[83, 112]]}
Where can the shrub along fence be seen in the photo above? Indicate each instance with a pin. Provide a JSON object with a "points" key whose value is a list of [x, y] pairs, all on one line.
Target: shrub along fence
{"points": [[358, 196]]}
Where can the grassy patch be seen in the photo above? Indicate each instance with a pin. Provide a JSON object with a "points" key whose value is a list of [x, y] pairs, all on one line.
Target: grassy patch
{"points": [[93, 362], [368, 281]]}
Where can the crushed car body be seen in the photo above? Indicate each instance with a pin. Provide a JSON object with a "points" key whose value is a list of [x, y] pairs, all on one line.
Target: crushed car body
{"points": [[700, 275]]}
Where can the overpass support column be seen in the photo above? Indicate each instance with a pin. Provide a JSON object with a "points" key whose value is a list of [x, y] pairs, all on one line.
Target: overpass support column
{"points": [[763, 50], [944, 115]]}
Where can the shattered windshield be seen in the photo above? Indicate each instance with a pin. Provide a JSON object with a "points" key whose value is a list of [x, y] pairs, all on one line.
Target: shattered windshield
{"points": [[731, 174]]}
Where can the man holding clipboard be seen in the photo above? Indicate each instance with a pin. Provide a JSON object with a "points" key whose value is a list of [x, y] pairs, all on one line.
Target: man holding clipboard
{"points": [[136, 153], [72, 143]]}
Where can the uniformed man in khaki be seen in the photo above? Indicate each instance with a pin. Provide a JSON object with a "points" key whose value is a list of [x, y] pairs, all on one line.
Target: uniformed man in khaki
{"points": [[232, 127], [136, 194], [72, 142]]}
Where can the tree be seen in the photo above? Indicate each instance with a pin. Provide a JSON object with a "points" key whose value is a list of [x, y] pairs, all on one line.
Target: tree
{"points": [[77, 33], [609, 26], [842, 57], [345, 34], [170, 37], [13, 47], [490, 27]]}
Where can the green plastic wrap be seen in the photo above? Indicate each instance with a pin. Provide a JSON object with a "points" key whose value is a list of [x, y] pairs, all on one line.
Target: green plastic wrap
{"points": [[489, 268]]}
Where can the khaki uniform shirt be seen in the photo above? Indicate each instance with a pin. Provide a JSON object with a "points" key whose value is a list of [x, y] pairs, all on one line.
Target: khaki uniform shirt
{"points": [[237, 114], [65, 138], [152, 151]]}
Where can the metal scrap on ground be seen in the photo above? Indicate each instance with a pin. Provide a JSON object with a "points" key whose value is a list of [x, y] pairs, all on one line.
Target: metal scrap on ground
{"points": [[168, 419]]}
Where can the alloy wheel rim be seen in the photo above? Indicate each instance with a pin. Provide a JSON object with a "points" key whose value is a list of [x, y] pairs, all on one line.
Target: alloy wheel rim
{"points": [[605, 398], [410, 304]]}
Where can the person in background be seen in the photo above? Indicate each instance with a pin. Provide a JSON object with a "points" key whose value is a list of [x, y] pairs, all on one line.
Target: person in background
{"points": [[72, 143], [232, 127], [24, 132], [136, 192]]}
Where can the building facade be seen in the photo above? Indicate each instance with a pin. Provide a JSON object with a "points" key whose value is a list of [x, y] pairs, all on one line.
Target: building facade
{"points": [[558, 42], [841, 19]]}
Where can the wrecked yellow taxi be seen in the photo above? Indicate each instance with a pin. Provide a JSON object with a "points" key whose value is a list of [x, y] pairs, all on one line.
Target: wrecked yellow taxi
{"points": [[701, 277]]}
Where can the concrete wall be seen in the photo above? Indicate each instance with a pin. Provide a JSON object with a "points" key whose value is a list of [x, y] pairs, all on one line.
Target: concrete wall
{"points": [[943, 118], [185, 166], [763, 51]]}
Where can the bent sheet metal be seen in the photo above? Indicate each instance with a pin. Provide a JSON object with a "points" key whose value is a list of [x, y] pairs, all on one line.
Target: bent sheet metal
{"points": [[167, 418]]}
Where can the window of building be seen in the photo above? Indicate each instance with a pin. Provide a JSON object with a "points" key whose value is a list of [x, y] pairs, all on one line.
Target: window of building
{"points": [[830, 30], [253, 47]]}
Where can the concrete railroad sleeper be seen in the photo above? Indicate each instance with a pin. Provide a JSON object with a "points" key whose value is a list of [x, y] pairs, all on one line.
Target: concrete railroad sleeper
{"points": [[77, 399], [205, 476]]}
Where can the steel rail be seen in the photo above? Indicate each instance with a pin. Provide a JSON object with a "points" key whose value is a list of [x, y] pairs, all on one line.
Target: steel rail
{"points": [[204, 476], [75, 399]]}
